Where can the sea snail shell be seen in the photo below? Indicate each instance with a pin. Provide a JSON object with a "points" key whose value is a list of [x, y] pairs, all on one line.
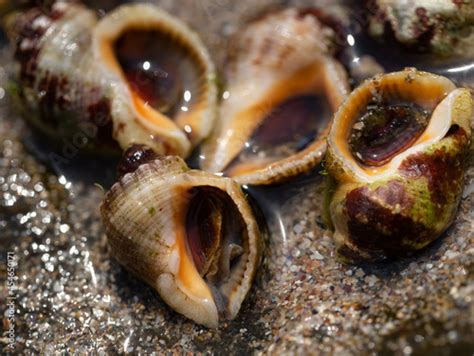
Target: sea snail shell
{"points": [[396, 162], [189, 234], [282, 90], [138, 74], [442, 27]]}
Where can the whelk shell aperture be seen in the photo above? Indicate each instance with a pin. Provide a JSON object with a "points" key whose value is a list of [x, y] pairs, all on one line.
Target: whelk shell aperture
{"points": [[168, 73]]}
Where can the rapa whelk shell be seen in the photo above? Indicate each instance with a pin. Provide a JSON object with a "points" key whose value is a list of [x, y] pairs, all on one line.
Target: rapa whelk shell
{"points": [[190, 234]]}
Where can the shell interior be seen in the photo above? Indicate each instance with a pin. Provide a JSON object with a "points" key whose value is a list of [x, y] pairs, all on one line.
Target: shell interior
{"points": [[386, 129], [284, 127], [288, 128], [215, 248], [390, 117], [160, 71]]}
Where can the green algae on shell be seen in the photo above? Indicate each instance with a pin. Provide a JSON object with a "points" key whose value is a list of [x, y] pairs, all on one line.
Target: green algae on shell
{"points": [[411, 198]]}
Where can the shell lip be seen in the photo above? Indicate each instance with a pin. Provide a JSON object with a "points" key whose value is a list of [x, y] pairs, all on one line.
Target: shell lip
{"points": [[442, 102]]}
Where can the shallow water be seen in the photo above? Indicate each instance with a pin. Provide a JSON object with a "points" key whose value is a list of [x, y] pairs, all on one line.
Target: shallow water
{"points": [[72, 297]]}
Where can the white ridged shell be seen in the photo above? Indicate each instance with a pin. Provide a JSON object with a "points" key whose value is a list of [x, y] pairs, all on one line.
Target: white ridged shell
{"points": [[141, 214]]}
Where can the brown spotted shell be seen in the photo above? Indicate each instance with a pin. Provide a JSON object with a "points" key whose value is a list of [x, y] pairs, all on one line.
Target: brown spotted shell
{"points": [[408, 199]]}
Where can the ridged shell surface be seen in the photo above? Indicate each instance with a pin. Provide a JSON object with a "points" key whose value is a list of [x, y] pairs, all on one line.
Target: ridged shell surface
{"points": [[145, 218]]}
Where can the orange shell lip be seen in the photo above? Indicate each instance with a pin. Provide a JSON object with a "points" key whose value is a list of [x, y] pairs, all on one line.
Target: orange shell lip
{"points": [[188, 274], [154, 117], [211, 244]]}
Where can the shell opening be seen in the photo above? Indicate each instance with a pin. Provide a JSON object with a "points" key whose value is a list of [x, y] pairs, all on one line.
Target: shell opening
{"points": [[385, 130], [159, 70], [288, 128], [216, 241], [390, 117]]}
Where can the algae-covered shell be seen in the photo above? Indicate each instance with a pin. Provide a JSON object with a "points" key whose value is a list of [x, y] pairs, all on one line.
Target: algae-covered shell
{"points": [[443, 27], [282, 88], [137, 75], [189, 234], [396, 161]]}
